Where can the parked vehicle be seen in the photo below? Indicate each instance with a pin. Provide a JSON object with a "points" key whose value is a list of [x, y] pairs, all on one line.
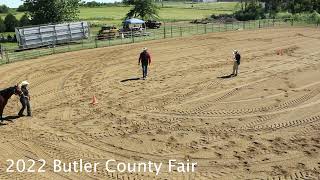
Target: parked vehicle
{"points": [[152, 24], [108, 32]]}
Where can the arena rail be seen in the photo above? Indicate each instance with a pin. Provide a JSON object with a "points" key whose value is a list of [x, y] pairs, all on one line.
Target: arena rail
{"points": [[168, 30]]}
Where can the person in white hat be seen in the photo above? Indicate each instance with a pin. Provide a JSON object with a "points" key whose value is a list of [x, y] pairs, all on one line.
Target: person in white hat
{"points": [[25, 98], [145, 60], [236, 63]]}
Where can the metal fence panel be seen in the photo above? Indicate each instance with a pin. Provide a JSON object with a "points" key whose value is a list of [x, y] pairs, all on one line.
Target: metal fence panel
{"points": [[42, 35]]}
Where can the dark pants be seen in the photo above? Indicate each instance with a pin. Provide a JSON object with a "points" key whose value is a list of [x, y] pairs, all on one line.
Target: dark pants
{"points": [[145, 70], [25, 103]]}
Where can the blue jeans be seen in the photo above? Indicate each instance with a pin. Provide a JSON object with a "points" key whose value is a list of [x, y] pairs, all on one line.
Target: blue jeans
{"points": [[144, 70], [25, 103]]}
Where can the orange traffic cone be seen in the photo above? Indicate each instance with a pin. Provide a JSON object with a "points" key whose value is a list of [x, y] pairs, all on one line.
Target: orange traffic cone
{"points": [[280, 52], [94, 100]]}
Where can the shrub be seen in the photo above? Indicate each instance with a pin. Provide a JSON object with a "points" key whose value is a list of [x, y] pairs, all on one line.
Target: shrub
{"points": [[22, 8], [313, 17], [24, 20], [284, 15], [11, 22], [252, 12], [9, 38]]}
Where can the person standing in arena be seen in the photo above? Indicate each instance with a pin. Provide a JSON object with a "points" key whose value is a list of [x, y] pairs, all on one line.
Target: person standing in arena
{"points": [[25, 98], [237, 58], [145, 60]]}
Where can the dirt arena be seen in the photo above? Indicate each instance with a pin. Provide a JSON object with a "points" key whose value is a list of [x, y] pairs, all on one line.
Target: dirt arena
{"points": [[264, 123]]}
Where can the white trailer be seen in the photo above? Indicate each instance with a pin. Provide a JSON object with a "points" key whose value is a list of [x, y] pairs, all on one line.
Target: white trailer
{"points": [[52, 34]]}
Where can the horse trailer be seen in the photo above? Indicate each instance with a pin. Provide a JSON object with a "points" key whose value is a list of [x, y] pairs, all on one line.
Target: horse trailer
{"points": [[51, 35]]}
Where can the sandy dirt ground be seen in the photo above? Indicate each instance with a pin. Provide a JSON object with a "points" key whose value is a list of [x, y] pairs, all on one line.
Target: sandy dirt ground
{"points": [[264, 123]]}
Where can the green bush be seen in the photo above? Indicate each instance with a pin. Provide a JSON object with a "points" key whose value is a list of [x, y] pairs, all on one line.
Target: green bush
{"points": [[304, 17], [24, 20], [252, 12], [22, 8], [11, 22], [315, 17], [284, 15]]}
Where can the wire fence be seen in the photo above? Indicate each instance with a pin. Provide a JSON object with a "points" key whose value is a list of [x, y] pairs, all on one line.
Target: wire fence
{"points": [[168, 30]]}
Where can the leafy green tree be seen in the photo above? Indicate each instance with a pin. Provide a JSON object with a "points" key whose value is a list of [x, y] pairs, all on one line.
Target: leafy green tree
{"points": [[11, 22], [24, 20], [22, 8], [2, 26], [250, 10], [145, 9], [272, 6], [52, 11], [4, 9]]}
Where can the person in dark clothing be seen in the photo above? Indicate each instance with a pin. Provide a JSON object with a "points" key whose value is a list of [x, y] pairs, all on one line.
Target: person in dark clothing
{"points": [[145, 60], [24, 99], [237, 58]]}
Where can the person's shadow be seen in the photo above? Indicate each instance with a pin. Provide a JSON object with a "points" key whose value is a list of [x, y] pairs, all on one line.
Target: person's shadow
{"points": [[8, 118], [226, 77], [130, 79]]}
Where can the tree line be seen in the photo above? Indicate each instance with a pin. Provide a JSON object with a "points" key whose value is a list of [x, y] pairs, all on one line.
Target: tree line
{"points": [[259, 9]]}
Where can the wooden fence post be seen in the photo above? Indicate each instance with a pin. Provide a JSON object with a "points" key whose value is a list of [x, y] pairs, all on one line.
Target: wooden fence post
{"points": [[1, 51], [197, 28], [96, 42], [259, 24], [132, 36], [273, 22], [164, 30], [7, 57]]}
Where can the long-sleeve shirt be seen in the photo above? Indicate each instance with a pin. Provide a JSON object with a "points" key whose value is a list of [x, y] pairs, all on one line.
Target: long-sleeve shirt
{"points": [[145, 58], [25, 91]]}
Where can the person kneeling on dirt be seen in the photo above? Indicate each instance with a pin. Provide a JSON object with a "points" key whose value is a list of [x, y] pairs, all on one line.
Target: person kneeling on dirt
{"points": [[24, 98], [236, 63], [145, 60]]}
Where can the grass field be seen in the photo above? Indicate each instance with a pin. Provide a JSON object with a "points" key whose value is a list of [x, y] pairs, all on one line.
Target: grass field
{"points": [[170, 12]]}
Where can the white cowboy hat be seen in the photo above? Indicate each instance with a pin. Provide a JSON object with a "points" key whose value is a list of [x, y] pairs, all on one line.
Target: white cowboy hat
{"points": [[144, 49], [235, 51], [23, 83]]}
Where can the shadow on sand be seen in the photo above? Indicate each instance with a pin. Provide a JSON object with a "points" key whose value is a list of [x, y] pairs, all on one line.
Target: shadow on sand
{"points": [[10, 118], [130, 79], [226, 77]]}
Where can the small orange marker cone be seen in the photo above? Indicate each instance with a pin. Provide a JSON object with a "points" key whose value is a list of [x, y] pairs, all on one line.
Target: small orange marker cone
{"points": [[280, 52], [94, 100]]}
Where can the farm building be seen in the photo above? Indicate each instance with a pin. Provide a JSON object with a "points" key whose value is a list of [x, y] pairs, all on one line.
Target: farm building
{"points": [[44, 35]]}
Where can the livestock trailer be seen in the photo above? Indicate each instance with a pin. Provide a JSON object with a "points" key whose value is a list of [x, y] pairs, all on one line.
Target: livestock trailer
{"points": [[51, 34]]}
